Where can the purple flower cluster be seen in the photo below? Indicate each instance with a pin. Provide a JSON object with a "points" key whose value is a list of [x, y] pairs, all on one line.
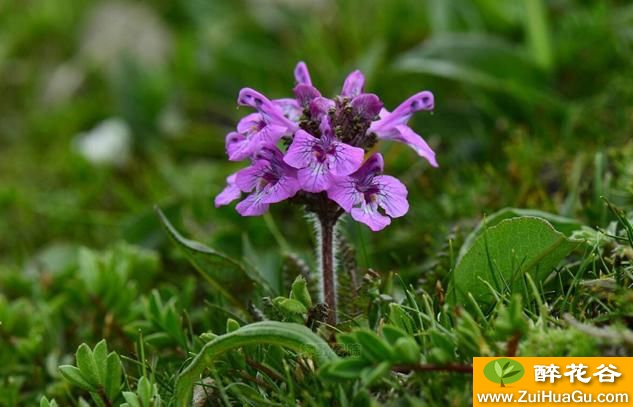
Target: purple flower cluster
{"points": [[312, 147]]}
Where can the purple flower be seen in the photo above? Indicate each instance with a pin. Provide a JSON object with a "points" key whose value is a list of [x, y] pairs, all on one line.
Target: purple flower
{"points": [[326, 143], [259, 129], [268, 180], [367, 190], [230, 193], [319, 159], [393, 126]]}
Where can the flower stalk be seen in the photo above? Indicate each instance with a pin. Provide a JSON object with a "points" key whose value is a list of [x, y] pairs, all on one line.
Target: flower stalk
{"points": [[328, 267]]}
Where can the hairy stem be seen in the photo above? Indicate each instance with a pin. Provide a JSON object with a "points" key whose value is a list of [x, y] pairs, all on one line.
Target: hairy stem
{"points": [[327, 266]]}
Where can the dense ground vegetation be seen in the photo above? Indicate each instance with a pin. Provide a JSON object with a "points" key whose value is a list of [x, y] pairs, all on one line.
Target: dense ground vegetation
{"points": [[534, 110]]}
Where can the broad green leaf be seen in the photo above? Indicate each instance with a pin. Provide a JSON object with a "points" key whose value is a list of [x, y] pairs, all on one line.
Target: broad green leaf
{"points": [[498, 369], [508, 370], [293, 336], [74, 376], [112, 380], [233, 280], [503, 254], [100, 354], [87, 365], [562, 224]]}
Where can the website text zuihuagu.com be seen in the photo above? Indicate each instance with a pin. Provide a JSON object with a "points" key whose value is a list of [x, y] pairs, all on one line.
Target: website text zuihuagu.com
{"points": [[550, 396]]}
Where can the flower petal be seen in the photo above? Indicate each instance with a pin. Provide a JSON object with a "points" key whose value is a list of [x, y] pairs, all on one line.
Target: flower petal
{"points": [[252, 206], [247, 179], [289, 107], [353, 85], [406, 135], [401, 115], [371, 217], [315, 178], [285, 188], [250, 123], [319, 107], [343, 191], [270, 112], [346, 159], [367, 106], [373, 166], [305, 94], [300, 152], [393, 196], [230, 193], [236, 146], [302, 75]]}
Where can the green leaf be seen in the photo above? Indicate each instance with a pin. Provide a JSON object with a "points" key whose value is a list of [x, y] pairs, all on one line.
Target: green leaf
{"points": [[507, 369], [293, 336], [392, 333], [370, 375], [74, 376], [503, 254], [87, 365], [349, 368], [100, 354], [290, 306], [131, 399], [300, 292], [45, 403], [112, 380], [537, 28], [232, 325], [144, 391], [372, 346], [230, 278], [562, 224], [498, 369], [511, 374], [407, 350]]}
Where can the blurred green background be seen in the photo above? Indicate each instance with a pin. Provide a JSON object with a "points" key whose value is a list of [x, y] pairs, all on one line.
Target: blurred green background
{"points": [[110, 107], [527, 92]]}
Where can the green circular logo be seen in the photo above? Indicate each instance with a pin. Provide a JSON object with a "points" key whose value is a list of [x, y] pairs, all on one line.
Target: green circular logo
{"points": [[503, 371]]}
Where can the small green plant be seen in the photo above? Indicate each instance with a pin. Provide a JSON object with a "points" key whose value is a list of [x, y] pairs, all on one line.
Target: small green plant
{"points": [[97, 372]]}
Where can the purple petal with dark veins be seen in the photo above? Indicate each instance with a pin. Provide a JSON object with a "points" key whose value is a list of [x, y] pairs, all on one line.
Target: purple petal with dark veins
{"points": [[367, 106]]}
